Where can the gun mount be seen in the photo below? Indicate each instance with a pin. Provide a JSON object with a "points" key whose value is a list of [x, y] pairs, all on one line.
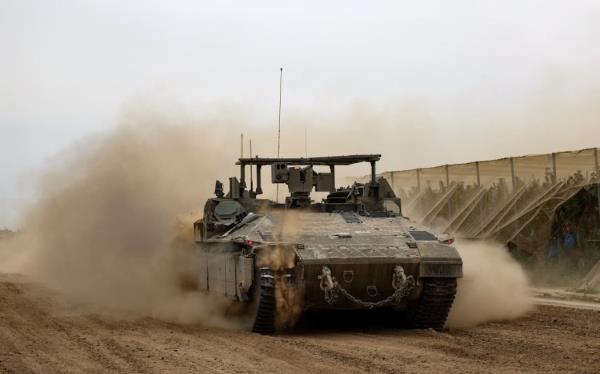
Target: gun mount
{"points": [[301, 178]]}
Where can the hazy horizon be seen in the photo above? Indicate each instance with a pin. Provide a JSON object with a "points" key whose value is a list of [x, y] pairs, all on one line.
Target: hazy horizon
{"points": [[447, 82]]}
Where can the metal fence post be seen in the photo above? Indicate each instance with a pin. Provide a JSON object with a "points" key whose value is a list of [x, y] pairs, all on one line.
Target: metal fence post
{"points": [[447, 187], [554, 178], [597, 166], [481, 201], [512, 174]]}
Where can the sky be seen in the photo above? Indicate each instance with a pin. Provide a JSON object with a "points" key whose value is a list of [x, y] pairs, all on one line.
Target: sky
{"points": [[490, 78]]}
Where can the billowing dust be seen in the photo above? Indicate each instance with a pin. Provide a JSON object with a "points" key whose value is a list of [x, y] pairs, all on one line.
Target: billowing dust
{"points": [[288, 303], [285, 230], [277, 258], [108, 229], [287, 298], [113, 224], [494, 286]]}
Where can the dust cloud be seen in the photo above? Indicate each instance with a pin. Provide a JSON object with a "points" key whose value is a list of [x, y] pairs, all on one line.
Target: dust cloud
{"points": [[288, 301], [112, 228], [494, 286], [285, 230]]}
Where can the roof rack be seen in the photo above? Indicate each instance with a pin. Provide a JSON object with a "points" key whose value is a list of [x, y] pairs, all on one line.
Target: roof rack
{"points": [[331, 161], [327, 160]]}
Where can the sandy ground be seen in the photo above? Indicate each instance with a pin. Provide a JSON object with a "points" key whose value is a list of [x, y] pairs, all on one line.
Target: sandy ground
{"points": [[39, 333]]}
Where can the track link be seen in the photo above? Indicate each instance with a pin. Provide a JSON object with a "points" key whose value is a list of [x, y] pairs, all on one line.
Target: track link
{"points": [[435, 303], [264, 322]]}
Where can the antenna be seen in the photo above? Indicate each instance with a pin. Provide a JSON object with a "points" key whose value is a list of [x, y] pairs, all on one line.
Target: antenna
{"points": [[279, 124], [251, 180], [279, 119], [305, 144], [242, 145]]}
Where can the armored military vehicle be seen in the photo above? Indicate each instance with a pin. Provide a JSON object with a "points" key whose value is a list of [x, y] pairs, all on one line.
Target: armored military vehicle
{"points": [[352, 250]]}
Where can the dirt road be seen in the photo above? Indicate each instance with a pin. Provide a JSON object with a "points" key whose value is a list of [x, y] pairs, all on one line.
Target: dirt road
{"points": [[39, 334]]}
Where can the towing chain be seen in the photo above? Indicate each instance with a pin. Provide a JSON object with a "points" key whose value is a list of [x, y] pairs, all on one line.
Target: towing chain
{"points": [[402, 285]]}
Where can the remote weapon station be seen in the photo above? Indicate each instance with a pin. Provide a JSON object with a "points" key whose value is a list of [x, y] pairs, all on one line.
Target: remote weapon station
{"points": [[352, 250]]}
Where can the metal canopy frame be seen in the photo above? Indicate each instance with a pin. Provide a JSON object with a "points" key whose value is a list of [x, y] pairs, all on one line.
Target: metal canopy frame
{"points": [[331, 161], [327, 160]]}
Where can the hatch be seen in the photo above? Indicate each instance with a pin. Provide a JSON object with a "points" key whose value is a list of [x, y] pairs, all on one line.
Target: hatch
{"points": [[420, 235]]}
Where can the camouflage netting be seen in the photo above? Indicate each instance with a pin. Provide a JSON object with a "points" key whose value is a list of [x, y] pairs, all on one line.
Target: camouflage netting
{"points": [[513, 200]]}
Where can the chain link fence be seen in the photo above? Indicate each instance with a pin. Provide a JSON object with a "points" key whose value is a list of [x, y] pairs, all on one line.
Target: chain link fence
{"points": [[513, 200]]}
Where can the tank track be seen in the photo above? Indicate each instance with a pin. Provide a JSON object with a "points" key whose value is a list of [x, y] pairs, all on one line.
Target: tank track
{"points": [[435, 303], [264, 321]]}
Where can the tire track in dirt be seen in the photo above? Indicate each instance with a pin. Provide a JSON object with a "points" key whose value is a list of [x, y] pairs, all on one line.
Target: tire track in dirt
{"points": [[39, 332]]}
